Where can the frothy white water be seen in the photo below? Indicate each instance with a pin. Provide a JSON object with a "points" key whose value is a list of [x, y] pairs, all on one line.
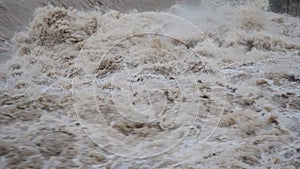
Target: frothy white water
{"points": [[134, 81]]}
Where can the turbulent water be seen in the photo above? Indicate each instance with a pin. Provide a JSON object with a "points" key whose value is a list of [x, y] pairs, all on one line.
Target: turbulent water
{"points": [[202, 85]]}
